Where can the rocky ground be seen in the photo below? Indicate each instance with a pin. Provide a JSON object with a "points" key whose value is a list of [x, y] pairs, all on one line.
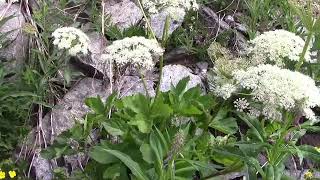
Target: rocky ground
{"points": [[95, 76]]}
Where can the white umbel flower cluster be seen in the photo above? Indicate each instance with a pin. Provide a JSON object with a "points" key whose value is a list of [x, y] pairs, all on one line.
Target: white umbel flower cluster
{"points": [[273, 47], [241, 104], [137, 51], [175, 8], [71, 39], [279, 89], [225, 91]]}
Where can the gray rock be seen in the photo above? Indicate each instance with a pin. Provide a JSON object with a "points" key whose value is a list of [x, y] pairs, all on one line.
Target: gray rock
{"points": [[97, 45], [130, 85], [43, 168], [158, 21], [13, 55], [72, 107], [123, 14], [172, 74], [63, 116], [213, 20]]}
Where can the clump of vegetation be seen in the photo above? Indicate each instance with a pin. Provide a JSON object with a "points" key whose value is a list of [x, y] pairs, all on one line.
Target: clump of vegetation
{"points": [[258, 103]]}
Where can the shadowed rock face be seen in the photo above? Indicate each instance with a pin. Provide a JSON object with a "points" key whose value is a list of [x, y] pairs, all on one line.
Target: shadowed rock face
{"points": [[13, 55]]}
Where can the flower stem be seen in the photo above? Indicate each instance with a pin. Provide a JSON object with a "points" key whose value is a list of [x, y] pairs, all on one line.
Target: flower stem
{"points": [[144, 83], [305, 48], [147, 21], [165, 37]]}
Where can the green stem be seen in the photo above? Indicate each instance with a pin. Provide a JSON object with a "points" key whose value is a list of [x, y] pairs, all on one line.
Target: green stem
{"points": [[144, 83], [147, 21], [305, 48], [165, 37]]}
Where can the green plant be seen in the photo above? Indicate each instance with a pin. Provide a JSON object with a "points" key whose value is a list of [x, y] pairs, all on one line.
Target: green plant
{"points": [[155, 137]]}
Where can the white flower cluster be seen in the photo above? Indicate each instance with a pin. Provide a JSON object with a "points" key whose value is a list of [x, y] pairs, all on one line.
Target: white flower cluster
{"points": [[279, 89], [137, 51], [175, 8], [71, 39], [225, 91], [273, 47], [241, 104]]}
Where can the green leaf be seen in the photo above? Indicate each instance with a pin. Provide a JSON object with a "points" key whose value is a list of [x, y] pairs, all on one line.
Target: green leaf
{"points": [[144, 125], [147, 153], [137, 103], [309, 152], [180, 87], [114, 131], [255, 127], [112, 172], [96, 104], [99, 154], [223, 123], [160, 109], [125, 159], [227, 126]]}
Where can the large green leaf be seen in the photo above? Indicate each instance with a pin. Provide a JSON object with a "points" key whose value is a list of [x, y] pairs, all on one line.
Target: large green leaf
{"points": [[99, 154], [144, 125], [223, 123], [256, 129], [114, 131], [132, 165], [96, 104], [147, 153], [227, 126], [137, 103]]}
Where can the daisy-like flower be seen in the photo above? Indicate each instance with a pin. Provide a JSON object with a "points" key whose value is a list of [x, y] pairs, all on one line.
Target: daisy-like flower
{"points": [[308, 175], [71, 39], [2, 174], [175, 8], [279, 89], [273, 47], [137, 51], [12, 174]]}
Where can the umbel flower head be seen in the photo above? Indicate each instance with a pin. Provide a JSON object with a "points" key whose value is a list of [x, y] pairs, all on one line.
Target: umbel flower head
{"points": [[274, 47], [279, 89], [71, 39], [175, 8], [137, 51]]}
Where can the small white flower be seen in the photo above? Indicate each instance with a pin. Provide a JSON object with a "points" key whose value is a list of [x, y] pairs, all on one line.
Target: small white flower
{"points": [[175, 8], [71, 39], [137, 51], [278, 89], [241, 104], [225, 91], [274, 47], [309, 114], [254, 112]]}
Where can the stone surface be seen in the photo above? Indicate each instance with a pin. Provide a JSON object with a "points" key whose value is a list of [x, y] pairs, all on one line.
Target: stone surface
{"points": [[130, 85], [123, 13], [42, 167], [63, 117], [13, 55], [172, 74], [97, 45], [158, 21]]}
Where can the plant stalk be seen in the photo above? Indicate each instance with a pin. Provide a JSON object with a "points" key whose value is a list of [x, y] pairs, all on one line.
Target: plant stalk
{"points": [[165, 37], [305, 48]]}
